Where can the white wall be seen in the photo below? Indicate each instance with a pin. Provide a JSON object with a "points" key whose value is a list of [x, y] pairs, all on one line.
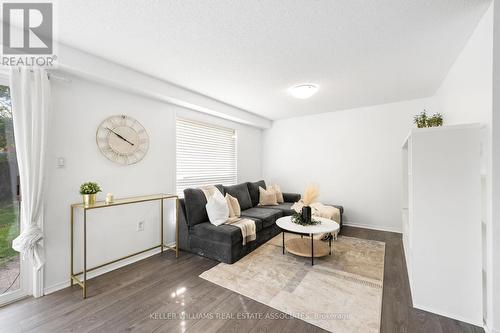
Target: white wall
{"points": [[494, 288], [353, 155], [465, 96], [78, 108]]}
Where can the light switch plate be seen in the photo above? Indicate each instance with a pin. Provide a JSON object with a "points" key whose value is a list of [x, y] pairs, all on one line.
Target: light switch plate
{"points": [[140, 226], [60, 162]]}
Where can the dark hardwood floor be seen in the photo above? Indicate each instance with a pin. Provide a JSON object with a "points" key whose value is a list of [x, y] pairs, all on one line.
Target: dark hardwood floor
{"points": [[141, 297]]}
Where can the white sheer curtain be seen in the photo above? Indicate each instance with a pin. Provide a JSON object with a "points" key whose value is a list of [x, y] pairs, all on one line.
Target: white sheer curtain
{"points": [[30, 95]]}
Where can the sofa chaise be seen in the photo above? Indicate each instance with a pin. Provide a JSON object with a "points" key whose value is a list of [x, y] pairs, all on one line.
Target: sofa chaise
{"points": [[224, 242]]}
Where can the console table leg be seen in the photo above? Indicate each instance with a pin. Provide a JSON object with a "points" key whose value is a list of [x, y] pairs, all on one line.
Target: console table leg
{"points": [[71, 274], [161, 223], [177, 227], [84, 253]]}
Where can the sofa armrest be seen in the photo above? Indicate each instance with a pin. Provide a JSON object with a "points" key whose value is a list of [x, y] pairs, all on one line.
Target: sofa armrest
{"points": [[291, 197], [341, 209], [183, 227]]}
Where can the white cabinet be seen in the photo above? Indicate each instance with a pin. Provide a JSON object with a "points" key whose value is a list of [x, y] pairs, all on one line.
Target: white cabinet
{"points": [[441, 220]]}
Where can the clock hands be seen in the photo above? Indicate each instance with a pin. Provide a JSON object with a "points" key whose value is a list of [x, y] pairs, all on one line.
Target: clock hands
{"points": [[121, 137]]}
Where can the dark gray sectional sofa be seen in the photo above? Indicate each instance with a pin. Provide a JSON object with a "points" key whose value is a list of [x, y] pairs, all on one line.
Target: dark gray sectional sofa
{"points": [[224, 242]]}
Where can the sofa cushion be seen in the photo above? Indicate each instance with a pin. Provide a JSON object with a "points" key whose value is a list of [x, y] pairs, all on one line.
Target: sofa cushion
{"points": [[267, 215], [241, 193], [224, 233], [286, 208], [253, 189], [195, 202]]}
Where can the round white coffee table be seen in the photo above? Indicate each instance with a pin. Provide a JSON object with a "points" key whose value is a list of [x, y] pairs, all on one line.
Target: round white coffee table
{"points": [[301, 246]]}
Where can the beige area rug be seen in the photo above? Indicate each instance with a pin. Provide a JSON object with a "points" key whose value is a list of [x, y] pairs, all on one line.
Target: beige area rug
{"points": [[342, 292]]}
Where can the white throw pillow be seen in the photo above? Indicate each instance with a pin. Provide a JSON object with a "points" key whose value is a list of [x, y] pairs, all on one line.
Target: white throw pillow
{"points": [[217, 210]]}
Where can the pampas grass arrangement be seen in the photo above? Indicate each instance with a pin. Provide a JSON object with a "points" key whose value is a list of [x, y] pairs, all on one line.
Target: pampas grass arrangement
{"points": [[311, 193]]}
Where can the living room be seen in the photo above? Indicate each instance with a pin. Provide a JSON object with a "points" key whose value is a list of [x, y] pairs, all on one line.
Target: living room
{"points": [[250, 166]]}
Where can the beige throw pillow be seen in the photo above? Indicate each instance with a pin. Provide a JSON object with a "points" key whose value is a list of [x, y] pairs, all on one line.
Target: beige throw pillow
{"points": [[267, 197], [279, 194], [234, 206]]}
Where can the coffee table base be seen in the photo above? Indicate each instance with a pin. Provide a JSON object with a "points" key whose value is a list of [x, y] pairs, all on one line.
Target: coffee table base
{"points": [[302, 247], [305, 248]]}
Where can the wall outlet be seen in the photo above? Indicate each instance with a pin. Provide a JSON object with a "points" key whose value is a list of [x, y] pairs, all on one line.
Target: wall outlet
{"points": [[140, 226]]}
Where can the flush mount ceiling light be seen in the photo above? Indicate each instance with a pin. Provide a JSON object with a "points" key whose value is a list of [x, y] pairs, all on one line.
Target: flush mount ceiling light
{"points": [[303, 90]]}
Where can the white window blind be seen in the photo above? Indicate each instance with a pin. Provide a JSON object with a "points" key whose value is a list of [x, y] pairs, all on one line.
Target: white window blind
{"points": [[206, 155]]}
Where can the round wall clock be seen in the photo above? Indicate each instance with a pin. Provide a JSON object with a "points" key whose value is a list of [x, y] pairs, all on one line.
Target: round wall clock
{"points": [[122, 139]]}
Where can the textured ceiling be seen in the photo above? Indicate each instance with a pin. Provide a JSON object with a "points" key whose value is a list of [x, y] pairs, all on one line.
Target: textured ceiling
{"points": [[248, 52]]}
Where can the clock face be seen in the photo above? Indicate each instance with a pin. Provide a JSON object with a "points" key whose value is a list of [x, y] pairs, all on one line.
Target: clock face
{"points": [[122, 139]]}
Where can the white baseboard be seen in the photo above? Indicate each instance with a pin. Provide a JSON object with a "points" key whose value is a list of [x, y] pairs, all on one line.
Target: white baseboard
{"points": [[449, 315], [365, 226], [490, 330], [56, 287], [66, 283]]}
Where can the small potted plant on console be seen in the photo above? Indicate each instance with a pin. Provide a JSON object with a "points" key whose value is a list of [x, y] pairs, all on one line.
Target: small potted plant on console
{"points": [[89, 191]]}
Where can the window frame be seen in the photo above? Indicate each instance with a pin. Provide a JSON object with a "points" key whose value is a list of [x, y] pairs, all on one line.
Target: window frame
{"points": [[26, 276]]}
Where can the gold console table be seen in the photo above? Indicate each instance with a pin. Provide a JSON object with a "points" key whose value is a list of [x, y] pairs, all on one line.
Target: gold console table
{"points": [[126, 201]]}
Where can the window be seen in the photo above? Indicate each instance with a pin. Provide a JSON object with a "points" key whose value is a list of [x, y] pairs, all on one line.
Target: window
{"points": [[10, 263], [206, 155]]}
